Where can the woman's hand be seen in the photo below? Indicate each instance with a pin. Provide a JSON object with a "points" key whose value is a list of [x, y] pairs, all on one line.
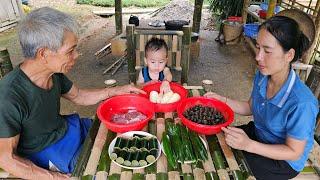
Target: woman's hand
{"points": [[164, 87], [236, 138], [215, 95], [126, 89]]}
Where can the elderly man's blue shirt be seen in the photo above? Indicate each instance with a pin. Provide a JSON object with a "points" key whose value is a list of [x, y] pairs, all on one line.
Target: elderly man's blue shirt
{"points": [[290, 113]]}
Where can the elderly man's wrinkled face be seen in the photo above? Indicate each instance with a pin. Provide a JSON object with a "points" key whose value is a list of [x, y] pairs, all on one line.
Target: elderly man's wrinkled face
{"points": [[63, 60]]}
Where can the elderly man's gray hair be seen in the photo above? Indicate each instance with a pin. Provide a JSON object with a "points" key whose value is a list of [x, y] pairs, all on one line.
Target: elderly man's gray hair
{"points": [[44, 27]]}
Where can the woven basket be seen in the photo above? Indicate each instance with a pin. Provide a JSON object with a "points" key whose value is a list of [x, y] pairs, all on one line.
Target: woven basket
{"points": [[305, 22], [232, 31]]}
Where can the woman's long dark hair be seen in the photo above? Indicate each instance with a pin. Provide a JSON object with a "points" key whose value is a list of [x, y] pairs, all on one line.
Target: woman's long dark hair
{"points": [[288, 34]]}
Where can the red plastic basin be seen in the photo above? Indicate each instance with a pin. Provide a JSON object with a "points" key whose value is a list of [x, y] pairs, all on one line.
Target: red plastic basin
{"points": [[201, 128], [175, 87], [122, 103]]}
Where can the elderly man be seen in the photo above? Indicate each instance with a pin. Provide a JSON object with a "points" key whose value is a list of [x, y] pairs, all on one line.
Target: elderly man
{"points": [[34, 137]]}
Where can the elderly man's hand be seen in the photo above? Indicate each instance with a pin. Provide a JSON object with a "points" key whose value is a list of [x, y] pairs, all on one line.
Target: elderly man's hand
{"points": [[126, 89]]}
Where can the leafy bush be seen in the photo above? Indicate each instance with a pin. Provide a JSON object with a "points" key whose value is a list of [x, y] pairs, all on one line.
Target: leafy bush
{"points": [[226, 8], [125, 3]]}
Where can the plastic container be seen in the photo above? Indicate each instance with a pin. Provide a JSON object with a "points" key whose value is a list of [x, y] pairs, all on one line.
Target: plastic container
{"points": [[170, 107], [234, 18], [251, 30], [201, 128], [262, 14], [264, 6], [122, 103]]}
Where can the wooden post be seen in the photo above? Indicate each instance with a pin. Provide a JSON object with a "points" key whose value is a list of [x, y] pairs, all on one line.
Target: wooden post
{"points": [[306, 59], [118, 16], [185, 53], [5, 62], [131, 53], [271, 8], [197, 15], [246, 4], [317, 8]]}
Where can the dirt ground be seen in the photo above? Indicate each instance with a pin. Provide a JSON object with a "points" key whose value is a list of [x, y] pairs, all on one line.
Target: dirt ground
{"points": [[230, 67]]}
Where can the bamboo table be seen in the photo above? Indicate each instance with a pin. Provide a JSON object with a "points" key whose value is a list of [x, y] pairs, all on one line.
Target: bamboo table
{"points": [[223, 162]]}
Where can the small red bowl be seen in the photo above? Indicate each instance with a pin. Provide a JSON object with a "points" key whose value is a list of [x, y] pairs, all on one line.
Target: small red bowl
{"points": [[170, 107], [201, 128], [122, 103]]}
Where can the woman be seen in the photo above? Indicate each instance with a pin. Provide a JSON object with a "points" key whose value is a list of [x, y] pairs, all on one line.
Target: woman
{"points": [[277, 143]]}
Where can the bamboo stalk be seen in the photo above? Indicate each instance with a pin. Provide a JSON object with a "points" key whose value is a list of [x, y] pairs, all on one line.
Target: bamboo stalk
{"points": [[208, 165], [118, 66], [104, 161], [125, 175], [188, 176], [101, 175], [309, 54], [102, 49], [115, 170], [152, 169], [211, 176], [198, 170], [233, 165], [96, 151], [86, 148], [271, 8], [317, 9], [151, 176], [114, 177], [172, 173], [162, 176], [243, 165], [199, 174], [217, 157], [87, 177], [111, 66], [131, 53], [162, 161], [137, 176], [185, 53], [244, 15], [197, 15], [159, 32], [118, 16]]}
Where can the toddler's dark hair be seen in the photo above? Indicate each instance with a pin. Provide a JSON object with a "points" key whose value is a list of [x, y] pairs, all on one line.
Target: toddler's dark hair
{"points": [[154, 44]]}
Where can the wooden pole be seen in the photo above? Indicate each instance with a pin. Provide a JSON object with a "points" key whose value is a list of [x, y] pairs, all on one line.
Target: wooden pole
{"points": [[118, 16], [246, 4], [5, 62], [317, 8], [197, 15], [131, 53], [271, 8], [306, 59], [185, 53]]}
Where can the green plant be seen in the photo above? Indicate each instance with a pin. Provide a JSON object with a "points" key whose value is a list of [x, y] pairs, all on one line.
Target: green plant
{"points": [[226, 8], [125, 3]]}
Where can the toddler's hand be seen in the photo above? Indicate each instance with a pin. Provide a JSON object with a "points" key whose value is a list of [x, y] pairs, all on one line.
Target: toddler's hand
{"points": [[165, 87]]}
